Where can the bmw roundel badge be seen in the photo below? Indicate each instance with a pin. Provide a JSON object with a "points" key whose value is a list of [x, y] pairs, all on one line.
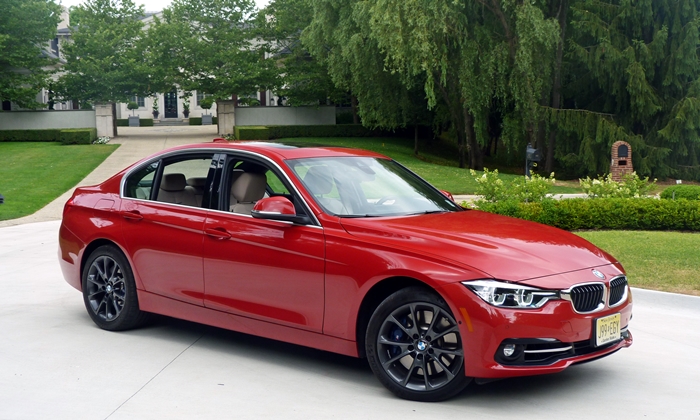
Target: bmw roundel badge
{"points": [[598, 274]]}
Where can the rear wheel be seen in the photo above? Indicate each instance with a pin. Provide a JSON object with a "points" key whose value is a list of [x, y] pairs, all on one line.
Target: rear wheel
{"points": [[414, 346], [109, 291]]}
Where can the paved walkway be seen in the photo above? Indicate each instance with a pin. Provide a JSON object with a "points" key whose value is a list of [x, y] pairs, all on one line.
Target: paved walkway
{"points": [[135, 144]]}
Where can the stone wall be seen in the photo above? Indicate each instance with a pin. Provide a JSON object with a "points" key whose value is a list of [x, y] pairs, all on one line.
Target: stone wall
{"points": [[45, 119], [285, 115]]}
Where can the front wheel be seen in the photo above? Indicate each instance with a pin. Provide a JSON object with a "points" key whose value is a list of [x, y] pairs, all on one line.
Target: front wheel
{"points": [[109, 291], [414, 346]]}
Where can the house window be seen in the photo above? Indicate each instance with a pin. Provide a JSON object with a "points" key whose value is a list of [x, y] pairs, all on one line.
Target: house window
{"points": [[138, 100], [200, 96]]}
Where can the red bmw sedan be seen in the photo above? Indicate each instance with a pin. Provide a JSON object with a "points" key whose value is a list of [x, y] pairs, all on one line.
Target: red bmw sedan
{"points": [[346, 251]]}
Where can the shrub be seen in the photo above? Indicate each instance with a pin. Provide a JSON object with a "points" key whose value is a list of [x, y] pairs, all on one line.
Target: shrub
{"points": [[122, 122], [252, 133], [631, 186], [688, 192], [78, 136], [521, 189], [206, 103], [198, 120], [146, 122], [604, 213], [132, 106], [30, 135]]}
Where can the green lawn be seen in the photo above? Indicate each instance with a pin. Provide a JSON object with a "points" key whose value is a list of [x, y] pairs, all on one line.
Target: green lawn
{"points": [[667, 261], [34, 174], [439, 171]]}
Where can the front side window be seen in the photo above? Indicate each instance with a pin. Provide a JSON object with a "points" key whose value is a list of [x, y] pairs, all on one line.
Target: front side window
{"points": [[366, 187], [139, 100], [201, 95]]}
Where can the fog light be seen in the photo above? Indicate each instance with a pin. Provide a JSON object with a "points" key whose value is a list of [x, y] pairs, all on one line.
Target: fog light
{"points": [[508, 350]]}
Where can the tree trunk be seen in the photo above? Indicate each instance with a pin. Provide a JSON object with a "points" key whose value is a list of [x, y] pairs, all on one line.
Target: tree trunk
{"points": [[476, 158], [114, 119], [556, 86], [452, 106], [353, 103], [415, 139]]}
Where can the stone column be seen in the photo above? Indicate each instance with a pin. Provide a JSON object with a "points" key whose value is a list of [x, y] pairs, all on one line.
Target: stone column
{"points": [[103, 120], [226, 114]]}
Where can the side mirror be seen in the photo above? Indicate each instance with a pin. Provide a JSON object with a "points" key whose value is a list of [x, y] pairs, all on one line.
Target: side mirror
{"points": [[278, 208], [447, 194]]}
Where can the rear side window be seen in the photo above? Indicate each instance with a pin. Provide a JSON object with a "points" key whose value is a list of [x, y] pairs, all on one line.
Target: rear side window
{"points": [[183, 181]]}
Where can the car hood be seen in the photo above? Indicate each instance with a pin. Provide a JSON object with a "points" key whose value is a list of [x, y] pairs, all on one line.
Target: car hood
{"points": [[502, 247]]}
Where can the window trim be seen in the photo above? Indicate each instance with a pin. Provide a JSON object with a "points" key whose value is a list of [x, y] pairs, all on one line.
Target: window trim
{"points": [[269, 163]]}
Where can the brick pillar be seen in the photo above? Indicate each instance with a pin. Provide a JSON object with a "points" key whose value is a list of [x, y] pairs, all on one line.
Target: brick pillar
{"points": [[621, 163]]}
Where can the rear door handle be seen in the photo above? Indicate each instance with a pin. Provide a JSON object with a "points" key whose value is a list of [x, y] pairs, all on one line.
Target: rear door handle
{"points": [[218, 233], [131, 215]]}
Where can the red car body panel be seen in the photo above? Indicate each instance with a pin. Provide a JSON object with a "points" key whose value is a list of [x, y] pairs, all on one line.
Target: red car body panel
{"points": [[265, 270], [306, 284]]}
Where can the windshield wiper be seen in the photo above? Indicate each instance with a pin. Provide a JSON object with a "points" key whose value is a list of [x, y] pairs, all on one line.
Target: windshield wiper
{"points": [[428, 212]]}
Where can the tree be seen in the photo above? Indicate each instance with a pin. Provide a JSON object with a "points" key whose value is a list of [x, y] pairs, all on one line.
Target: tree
{"points": [[475, 57], [339, 38], [634, 75], [105, 56], [305, 80], [210, 46], [26, 27]]}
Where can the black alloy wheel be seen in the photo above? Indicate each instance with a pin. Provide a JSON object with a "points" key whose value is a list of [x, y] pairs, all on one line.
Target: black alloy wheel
{"points": [[414, 346], [109, 291]]}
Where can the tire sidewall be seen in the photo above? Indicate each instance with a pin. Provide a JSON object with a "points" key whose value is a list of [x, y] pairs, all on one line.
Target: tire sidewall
{"points": [[128, 317], [397, 299]]}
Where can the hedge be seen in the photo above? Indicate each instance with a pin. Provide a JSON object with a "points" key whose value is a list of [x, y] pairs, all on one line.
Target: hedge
{"points": [[605, 213], [143, 122], [30, 135], [285, 131], [688, 192], [78, 136], [65, 136], [198, 120]]}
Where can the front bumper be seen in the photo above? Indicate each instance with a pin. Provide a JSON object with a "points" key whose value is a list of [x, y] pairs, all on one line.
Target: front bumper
{"points": [[485, 328]]}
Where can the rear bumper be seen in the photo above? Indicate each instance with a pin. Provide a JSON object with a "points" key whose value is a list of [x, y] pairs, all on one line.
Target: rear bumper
{"points": [[69, 250]]}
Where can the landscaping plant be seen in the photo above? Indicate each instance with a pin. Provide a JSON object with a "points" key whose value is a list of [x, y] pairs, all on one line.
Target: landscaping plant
{"points": [[631, 186], [520, 189]]}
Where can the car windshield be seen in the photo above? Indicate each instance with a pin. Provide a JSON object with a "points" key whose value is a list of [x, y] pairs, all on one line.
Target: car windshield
{"points": [[367, 186]]}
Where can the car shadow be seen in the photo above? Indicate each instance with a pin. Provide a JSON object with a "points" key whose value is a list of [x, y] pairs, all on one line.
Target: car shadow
{"points": [[235, 345]]}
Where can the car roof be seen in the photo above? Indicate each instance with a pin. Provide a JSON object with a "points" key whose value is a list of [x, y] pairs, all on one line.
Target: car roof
{"points": [[286, 150]]}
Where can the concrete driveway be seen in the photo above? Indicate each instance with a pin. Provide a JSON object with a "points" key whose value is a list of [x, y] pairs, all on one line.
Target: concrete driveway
{"points": [[54, 362]]}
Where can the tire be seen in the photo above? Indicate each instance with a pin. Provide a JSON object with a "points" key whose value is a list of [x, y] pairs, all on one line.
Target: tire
{"points": [[109, 291], [401, 351]]}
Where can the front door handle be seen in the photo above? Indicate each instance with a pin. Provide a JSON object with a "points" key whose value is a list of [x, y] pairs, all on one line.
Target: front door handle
{"points": [[218, 233], [131, 215]]}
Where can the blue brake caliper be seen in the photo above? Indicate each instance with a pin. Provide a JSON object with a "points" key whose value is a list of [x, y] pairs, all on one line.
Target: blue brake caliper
{"points": [[398, 335]]}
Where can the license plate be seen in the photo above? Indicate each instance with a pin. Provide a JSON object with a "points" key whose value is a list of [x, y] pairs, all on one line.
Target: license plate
{"points": [[607, 330]]}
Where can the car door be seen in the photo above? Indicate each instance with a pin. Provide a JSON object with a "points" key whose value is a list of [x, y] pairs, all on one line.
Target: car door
{"points": [[164, 224], [263, 269]]}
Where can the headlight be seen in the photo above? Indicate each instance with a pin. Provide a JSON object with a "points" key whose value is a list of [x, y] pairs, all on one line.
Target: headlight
{"points": [[508, 295]]}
